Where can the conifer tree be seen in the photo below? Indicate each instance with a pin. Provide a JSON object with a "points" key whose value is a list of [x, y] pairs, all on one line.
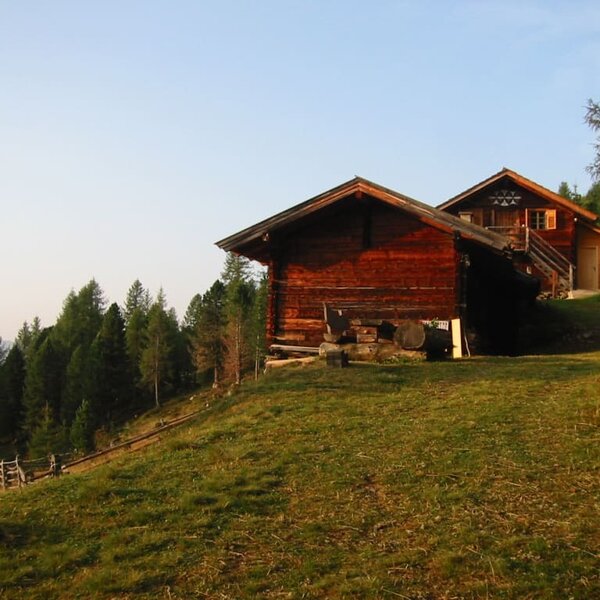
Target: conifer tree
{"points": [[80, 319], [193, 314], [208, 337], [77, 384], [592, 118], [82, 430], [43, 383], [259, 323], [135, 343], [156, 363], [3, 350], [237, 276], [27, 336], [48, 437], [138, 298], [109, 366], [12, 383]]}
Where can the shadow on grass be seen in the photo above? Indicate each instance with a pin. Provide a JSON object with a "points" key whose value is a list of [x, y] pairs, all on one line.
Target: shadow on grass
{"points": [[561, 327]]}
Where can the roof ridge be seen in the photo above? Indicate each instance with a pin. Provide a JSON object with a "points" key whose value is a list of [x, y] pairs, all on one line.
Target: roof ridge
{"points": [[518, 178]]}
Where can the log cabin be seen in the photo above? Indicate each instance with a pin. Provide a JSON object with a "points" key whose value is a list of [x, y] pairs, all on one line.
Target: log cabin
{"points": [[553, 238], [378, 255]]}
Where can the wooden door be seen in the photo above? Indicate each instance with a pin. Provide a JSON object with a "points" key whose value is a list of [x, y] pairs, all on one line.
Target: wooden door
{"points": [[587, 268], [506, 218]]}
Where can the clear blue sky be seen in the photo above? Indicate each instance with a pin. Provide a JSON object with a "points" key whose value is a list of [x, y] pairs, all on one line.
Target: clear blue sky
{"points": [[134, 134]]}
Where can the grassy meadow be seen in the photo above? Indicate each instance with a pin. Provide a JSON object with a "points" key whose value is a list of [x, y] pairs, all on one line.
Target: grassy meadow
{"points": [[467, 479]]}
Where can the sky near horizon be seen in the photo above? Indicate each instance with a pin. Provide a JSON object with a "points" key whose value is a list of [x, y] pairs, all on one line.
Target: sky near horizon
{"points": [[134, 134]]}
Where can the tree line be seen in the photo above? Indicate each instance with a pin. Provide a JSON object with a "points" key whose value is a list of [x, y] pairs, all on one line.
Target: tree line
{"points": [[591, 199], [96, 365]]}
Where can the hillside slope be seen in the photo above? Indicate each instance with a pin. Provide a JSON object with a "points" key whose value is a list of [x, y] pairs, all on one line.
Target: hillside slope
{"points": [[467, 479]]}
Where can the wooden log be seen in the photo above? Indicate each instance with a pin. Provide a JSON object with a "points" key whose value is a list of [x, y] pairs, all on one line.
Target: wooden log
{"points": [[301, 349], [362, 330], [366, 338]]}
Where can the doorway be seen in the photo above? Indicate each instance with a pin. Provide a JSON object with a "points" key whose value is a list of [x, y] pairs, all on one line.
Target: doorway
{"points": [[587, 268]]}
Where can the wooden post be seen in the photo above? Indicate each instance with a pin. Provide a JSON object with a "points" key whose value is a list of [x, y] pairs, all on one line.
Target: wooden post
{"points": [[457, 346], [2, 476], [571, 278], [554, 283], [18, 470], [55, 465]]}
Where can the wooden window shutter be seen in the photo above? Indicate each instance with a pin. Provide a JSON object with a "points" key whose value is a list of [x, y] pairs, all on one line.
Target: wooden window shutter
{"points": [[551, 219]]}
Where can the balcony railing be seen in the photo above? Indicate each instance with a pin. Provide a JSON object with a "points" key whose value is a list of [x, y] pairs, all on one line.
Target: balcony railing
{"points": [[544, 255]]}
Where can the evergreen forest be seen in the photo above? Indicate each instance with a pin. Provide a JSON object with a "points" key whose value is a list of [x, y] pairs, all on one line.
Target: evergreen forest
{"points": [[99, 364]]}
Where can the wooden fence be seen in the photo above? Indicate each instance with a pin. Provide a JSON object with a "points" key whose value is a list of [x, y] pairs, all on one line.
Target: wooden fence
{"points": [[17, 473]]}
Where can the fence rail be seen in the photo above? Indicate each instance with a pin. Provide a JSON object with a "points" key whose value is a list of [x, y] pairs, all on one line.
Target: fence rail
{"points": [[17, 473]]}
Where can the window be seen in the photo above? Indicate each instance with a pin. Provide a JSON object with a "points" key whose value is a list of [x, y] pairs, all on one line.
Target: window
{"points": [[541, 219], [466, 216]]}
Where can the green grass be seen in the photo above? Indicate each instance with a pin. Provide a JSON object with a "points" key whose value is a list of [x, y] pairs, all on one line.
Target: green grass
{"points": [[468, 479], [561, 326]]}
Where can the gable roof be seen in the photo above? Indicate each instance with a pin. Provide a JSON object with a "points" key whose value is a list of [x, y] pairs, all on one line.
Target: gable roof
{"points": [[249, 240], [527, 184]]}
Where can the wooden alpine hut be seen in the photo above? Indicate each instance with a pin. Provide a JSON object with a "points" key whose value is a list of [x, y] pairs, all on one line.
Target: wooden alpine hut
{"points": [[553, 238], [371, 253]]}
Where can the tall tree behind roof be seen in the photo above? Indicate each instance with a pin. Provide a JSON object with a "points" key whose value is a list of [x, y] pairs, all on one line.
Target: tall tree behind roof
{"points": [[592, 118]]}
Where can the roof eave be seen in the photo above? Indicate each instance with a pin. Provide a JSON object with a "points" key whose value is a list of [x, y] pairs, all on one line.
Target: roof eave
{"points": [[528, 184], [441, 220]]}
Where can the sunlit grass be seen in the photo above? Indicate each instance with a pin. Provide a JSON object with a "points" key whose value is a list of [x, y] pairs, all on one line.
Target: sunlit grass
{"points": [[468, 479]]}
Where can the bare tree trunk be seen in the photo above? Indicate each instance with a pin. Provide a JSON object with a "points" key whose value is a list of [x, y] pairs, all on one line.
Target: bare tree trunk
{"points": [[156, 365], [238, 350], [216, 381]]}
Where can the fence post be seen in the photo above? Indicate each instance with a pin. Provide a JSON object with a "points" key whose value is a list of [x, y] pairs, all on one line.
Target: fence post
{"points": [[18, 470], [55, 465], [571, 278], [2, 476]]}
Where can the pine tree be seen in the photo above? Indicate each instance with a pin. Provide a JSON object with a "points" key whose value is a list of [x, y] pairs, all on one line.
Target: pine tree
{"points": [[208, 337], [259, 323], [43, 385], [12, 383], [82, 430], [77, 384], [237, 276], [27, 336], [109, 369], [81, 318], [3, 350], [592, 118], [135, 343], [182, 369], [193, 314], [156, 362], [564, 190], [591, 200], [138, 299], [48, 437]]}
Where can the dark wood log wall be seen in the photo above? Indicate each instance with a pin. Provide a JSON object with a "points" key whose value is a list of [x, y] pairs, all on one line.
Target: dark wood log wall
{"points": [[367, 258]]}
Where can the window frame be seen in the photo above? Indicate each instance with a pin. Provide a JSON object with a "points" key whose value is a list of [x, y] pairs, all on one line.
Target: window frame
{"points": [[541, 219]]}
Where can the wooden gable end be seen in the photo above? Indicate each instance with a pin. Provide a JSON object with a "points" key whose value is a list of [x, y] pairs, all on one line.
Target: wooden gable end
{"points": [[505, 203], [363, 256]]}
